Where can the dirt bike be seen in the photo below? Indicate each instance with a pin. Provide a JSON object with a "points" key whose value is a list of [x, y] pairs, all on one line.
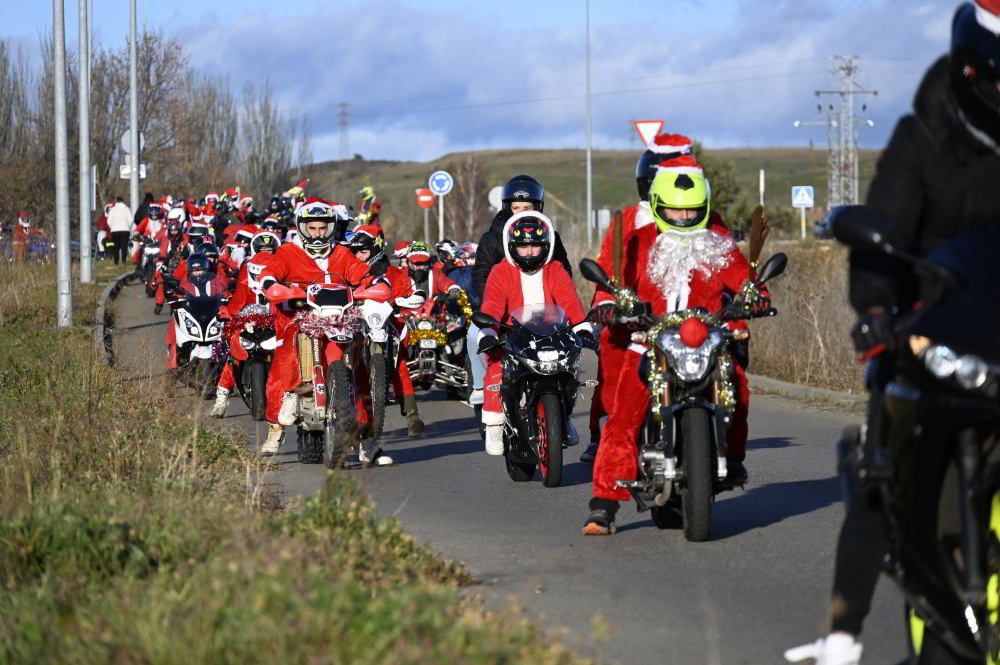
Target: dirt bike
{"points": [[682, 446], [435, 346], [252, 342], [930, 452], [377, 348], [328, 321], [540, 368]]}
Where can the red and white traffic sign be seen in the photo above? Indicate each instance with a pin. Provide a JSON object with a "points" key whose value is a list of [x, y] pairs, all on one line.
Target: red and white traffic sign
{"points": [[648, 129], [425, 198]]}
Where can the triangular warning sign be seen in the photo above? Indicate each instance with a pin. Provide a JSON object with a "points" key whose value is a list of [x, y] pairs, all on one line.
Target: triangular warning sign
{"points": [[803, 197], [648, 129]]}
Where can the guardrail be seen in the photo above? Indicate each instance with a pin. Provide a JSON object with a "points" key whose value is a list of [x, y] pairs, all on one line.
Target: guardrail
{"points": [[104, 328]]}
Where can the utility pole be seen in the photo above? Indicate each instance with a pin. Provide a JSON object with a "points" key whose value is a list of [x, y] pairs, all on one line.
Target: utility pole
{"points": [[64, 292], [344, 122], [590, 193], [86, 266], [135, 159], [832, 125]]}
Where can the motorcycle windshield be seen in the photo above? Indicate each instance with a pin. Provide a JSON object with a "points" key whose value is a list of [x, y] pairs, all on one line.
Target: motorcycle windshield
{"points": [[541, 320], [202, 308]]}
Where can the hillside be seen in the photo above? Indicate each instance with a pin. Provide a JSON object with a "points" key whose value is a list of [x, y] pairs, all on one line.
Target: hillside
{"points": [[562, 173]]}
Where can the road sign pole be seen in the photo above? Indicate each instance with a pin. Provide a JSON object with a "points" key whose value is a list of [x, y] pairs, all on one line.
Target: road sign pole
{"points": [[440, 218], [589, 133], [64, 288], [762, 186], [427, 225], [803, 211], [133, 104], [86, 267]]}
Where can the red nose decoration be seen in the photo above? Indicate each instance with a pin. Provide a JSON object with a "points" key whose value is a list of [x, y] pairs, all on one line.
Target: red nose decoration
{"points": [[693, 333]]}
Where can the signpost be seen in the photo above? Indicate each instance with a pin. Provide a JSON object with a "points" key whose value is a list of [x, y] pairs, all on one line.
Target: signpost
{"points": [[425, 199], [803, 197], [440, 183], [647, 129]]}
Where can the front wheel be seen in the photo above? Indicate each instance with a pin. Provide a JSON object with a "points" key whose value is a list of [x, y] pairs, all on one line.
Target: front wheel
{"points": [[377, 376], [147, 278], [698, 472], [549, 418], [258, 389], [339, 414]]}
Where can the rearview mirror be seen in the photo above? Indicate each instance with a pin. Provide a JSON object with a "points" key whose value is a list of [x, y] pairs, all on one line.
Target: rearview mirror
{"points": [[773, 267], [593, 272], [485, 320]]}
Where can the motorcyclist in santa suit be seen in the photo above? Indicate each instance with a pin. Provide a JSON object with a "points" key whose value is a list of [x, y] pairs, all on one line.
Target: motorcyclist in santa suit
{"points": [[936, 179]]}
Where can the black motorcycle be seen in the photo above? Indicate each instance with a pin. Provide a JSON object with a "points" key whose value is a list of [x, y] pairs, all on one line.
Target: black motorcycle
{"points": [[198, 334], [540, 369], [254, 325], [932, 454], [682, 446]]}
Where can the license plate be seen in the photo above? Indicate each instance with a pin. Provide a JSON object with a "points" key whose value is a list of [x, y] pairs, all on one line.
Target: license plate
{"points": [[428, 344], [202, 351]]}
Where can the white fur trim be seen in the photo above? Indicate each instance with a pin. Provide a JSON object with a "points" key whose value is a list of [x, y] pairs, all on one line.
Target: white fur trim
{"points": [[493, 417], [677, 255], [522, 215], [644, 215], [988, 20], [680, 169], [683, 149], [580, 327], [637, 348], [602, 299], [533, 288]]}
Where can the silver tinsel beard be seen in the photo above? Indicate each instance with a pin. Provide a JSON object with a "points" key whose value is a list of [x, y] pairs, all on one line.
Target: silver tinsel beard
{"points": [[677, 255]]}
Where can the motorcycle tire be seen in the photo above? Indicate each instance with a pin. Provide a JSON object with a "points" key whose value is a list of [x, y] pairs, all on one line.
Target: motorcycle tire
{"points": [[666, 517], [699, 472], [549, 415], [519, 472], [340, 405], [467, 391], [378, 376], [147, 279], [258, 389], [310, 446]]}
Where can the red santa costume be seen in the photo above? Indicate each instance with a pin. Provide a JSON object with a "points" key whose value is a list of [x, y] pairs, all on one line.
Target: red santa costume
{"points": [[671, 270], [509, 288]]}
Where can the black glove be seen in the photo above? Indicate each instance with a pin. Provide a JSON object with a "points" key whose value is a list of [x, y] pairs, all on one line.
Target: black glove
{"points": [[603, 314], [873, 334], [761, 307], [488, 343], [587, 340]]}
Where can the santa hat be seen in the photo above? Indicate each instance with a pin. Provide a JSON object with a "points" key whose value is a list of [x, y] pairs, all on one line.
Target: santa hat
{"points": [[988, 15], [683, 164], [233, 193], [246, 200], [671, 144], [243, 235], [211, 196], [418, 255], [400, 249], [370, 230], [24, 214]]}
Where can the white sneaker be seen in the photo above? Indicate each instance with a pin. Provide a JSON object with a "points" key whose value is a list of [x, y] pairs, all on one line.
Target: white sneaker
{"points": [[834, 649], [370, 452], [275, 437], [476, 398], [494, 439], [221, 400], [289, 409]]}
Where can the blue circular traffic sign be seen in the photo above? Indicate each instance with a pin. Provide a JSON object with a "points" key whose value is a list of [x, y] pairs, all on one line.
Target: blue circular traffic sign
{"points": [[440, 182]]}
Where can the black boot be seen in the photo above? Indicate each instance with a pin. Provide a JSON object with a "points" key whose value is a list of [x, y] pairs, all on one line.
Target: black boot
{"points": [[736, 473], [157, 308], [602, 517], [414, 425]]}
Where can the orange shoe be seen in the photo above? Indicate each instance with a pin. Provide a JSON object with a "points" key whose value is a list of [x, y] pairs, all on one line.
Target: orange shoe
{"points": [[600, 523]]}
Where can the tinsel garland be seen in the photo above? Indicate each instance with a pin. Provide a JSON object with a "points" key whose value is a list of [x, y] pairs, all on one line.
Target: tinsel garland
{"points": [[220, 352], [413, 337], [321, 327], [465, 306], [256, 316]]}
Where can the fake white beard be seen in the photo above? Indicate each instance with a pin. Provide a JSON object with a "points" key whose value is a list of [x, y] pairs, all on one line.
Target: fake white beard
{"points": [[677, 255]]}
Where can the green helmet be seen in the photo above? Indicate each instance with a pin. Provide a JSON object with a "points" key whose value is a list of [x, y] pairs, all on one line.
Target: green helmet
{"points": [[684, 190]]}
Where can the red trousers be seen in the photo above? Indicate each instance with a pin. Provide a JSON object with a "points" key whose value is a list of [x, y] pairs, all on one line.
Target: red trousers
{"points": [[492, 401], [614, 345], [617, 454]]}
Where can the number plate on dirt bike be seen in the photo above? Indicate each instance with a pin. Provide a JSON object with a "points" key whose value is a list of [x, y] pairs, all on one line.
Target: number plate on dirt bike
{"points": [[428, 344]]}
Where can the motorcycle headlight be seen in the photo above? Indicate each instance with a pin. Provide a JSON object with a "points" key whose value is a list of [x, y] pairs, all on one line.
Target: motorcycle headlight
{"points": [[971, 372], [246, 343], [191, 326], [375, 320], [425, 325], [542, 366], [689, 364], [214, 329], [943, 362]]}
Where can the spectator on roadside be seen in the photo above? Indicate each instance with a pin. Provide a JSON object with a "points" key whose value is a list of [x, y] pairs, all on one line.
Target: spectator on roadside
{"points": [[22, 231], [103, 231], [120, 223], [143, 210]]}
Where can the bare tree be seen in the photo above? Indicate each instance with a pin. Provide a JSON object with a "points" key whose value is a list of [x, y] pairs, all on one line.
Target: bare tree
{"points": [[266, 138], [466, 206]]}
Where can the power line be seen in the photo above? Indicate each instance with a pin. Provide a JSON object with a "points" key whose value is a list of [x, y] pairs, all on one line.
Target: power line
{"points": [[344, 122]]}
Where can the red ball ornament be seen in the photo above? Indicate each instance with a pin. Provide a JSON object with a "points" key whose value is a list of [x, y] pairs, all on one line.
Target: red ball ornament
{"points": [[693, 332]]}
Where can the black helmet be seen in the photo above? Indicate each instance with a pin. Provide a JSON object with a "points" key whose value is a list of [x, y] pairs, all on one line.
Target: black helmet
{"points": [[975, 68], [523, 188], [448, 252], [368, 237], [274, 205], [155, 211], [666, 146], [530, 230], [198, 266], [209, 251], [265, 241]]}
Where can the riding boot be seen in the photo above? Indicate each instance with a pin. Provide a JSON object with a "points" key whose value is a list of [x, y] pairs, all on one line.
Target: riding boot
{"points": [[414, 425]]}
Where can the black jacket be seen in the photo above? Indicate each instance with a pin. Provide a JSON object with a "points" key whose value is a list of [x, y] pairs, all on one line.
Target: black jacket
{"points": [[935, 180], [490, 253]]}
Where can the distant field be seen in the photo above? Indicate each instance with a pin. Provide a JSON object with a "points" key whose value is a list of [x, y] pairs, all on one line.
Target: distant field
{"points": [[562, 173]]}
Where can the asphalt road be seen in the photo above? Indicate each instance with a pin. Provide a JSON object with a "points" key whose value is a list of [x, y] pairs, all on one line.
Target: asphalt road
{"points": [[642, 596]]}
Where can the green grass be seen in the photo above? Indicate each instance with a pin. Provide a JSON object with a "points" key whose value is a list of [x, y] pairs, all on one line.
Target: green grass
{"points": [[131, 533], [562, 173]]}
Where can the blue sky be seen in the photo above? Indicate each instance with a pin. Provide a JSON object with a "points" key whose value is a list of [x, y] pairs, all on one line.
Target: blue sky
{"points": [[425, 78]]}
